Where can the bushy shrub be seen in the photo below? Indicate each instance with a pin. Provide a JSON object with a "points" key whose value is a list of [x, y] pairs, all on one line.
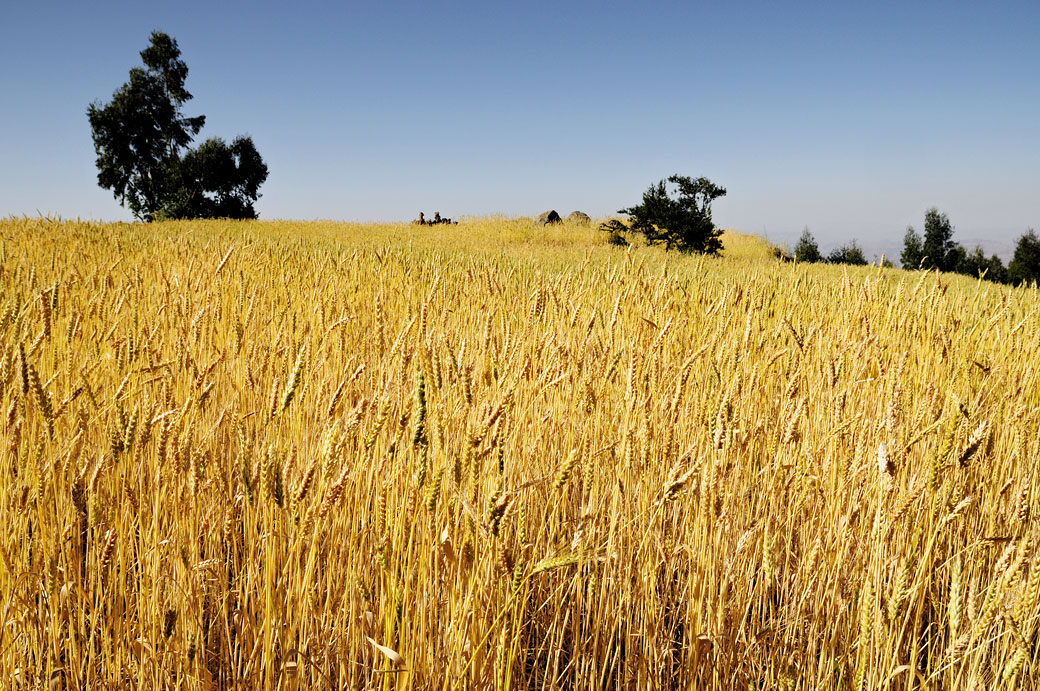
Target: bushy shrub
{"points": [[682, 222]]}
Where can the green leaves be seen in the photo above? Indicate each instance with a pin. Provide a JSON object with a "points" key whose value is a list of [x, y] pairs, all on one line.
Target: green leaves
{"points": [[807, 250], [940, 251], [1025, 265], [913, 249], [848, 254], [682, 222], [215, 181], [140, 139]]}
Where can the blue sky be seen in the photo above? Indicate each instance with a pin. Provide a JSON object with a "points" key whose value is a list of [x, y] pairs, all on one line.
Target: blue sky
{"points": [[849, 118]]}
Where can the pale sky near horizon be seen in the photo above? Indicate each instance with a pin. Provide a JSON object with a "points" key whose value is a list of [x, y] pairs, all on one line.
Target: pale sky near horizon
{"points": [[851, 119]]}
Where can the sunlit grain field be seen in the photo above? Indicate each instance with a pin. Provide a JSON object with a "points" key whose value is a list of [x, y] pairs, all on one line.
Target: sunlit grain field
{"points": [[315, 455]]}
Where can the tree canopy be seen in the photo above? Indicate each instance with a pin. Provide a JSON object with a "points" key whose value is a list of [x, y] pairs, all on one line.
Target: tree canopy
{"points": [[848, 254], [1025, 264], [141, 139], [913, 249], [681, 222], [939, 250], [807, 250], [216, 180]]}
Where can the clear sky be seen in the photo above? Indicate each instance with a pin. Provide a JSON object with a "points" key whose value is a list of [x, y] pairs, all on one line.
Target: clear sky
{"points": [[849, 118]]}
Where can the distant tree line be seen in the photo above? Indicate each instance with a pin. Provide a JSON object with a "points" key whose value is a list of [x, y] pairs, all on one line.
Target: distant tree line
{"points": [[807, 250], [938, 250], [676, 213]]}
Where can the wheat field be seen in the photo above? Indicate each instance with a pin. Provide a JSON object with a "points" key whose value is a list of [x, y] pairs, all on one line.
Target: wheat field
{"points": [[282, 455]]}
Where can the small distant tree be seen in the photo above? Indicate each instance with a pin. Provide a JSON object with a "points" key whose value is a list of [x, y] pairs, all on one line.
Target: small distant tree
{"points": [[939, 250], [141, 138], [682, 222], [807, 250], [913, 249], [847, 254], [1025, 264]]}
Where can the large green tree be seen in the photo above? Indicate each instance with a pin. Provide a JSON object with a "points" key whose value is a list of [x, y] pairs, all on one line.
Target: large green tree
{"points": [[681, 222], [142, 137]]}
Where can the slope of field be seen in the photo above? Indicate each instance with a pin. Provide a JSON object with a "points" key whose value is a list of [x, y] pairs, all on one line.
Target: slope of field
{"points": [[319, 455]]}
